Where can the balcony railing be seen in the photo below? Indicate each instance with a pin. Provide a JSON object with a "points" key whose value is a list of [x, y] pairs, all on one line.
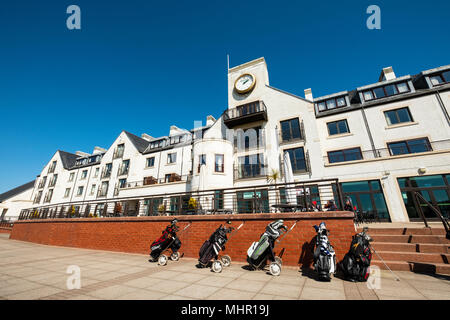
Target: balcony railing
{"points": [[106, 173], [52, 183], [250, 112], [148, 181], [123, 170], [118, 153], [391, 153], [262, 198], [102, 192], [51, 169], [248, 171], [42, 184]]}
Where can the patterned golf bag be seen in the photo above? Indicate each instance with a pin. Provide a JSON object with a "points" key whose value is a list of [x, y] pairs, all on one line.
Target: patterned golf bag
{"points": [[211, 247], [168, 240], [324, 255], [356, 263], [260, 251]]}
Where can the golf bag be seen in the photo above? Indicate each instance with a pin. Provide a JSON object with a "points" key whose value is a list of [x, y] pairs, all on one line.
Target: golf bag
{"points": [[356, 263], [324, 255], [211, 248], [168, 240], [261, 251]]}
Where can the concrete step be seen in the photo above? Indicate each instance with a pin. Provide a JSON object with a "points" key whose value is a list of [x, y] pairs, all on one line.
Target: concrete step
{"points": [[406, 231], [436, 239], [433, 268], [411, 247], [414, 256]]}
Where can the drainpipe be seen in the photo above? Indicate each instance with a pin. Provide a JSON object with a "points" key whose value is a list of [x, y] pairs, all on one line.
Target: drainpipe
{"points": [[441, 104], [368, 132]]}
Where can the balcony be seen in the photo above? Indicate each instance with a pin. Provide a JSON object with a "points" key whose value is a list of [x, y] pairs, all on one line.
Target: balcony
{"points": [[250, 112], [394, 151], [250, 171], [106, 174], [149, 181]]}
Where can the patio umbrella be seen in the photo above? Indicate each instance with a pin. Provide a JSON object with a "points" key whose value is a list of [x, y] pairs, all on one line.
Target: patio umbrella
{"points": [[291, 195]]}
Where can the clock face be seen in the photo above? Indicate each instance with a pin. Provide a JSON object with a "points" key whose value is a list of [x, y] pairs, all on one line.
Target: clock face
{"points": [[245, 83]]}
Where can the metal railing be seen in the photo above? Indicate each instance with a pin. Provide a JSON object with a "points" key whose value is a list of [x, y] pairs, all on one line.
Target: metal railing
{"points": [[6, 224], [245, 110], [265, 198], [149, 181], [391, 152], [436, 211], [249, 171]]}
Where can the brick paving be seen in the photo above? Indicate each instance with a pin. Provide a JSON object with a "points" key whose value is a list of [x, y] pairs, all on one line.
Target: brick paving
{"points": [[33, 271]]}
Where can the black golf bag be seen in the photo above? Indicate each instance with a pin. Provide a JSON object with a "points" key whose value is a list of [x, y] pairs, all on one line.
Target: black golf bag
{"points": [[168, 240], [211, 248], [356, 263], [261, 251], [324, 255]]}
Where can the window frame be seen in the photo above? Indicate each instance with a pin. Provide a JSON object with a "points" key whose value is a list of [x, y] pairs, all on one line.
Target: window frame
{"points": [[146, 162], [294, 159], [408, 146], [397, 116], [343, 154], [291, 132], [169, 157], [216, 165], [371, 90], [335, 103], [337, 127]]}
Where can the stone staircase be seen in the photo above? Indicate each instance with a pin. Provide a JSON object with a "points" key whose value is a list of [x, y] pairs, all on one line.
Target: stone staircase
{"points": [[411, 249]]}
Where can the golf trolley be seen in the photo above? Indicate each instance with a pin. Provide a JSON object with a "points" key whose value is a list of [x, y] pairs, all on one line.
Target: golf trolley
{"points": [[167, 245], [261, 251]]}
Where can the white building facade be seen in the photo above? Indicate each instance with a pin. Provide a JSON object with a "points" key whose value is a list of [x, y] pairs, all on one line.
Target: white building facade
{"points": [[383, 142]]}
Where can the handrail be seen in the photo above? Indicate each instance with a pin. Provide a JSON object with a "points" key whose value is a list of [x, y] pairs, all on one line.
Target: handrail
{"points": [[436, 211]]}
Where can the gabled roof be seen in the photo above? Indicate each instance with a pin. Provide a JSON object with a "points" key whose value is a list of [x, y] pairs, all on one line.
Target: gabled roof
{"points": [[139, 143], [68, 159], [13, 192]]}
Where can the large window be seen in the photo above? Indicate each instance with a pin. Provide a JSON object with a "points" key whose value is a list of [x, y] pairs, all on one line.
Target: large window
{"points": [[290, 130], [171, 158], [150, 162], [251, 166], [386, 91], [398, 116], [333, 103], [253, 201], [409, 146], [119, 151], [367, 197], [435, 189], [440, 78], [298, 160], [218, 164], [338, 127], [345, 155]]}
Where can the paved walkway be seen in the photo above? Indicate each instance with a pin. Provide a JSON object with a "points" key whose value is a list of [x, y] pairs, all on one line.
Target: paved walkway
{"points": [[33, 271]]}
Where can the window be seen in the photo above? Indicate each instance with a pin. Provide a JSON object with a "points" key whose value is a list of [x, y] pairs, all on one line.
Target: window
{"points": [[338, 127], [119, 151], [97, 171], [171, 158], [298, 161], [84, 174], [333, 103], [386, 91], [409, 146], [80, 191], [53, 181], [201, 161], [122, 183], [398, 116], [290, 130], [72, 175], [104, 189], [440, 78], [251, 166], [67, 193], [218, 165], [150, 162], [52, 167], [93, 189], [49, 195], [124, 168], [248, 139], [345, 155]]}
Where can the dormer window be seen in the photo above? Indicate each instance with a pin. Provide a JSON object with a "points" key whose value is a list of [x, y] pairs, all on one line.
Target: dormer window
{"points": [[332, 103], [386, 91], [440, 78]]}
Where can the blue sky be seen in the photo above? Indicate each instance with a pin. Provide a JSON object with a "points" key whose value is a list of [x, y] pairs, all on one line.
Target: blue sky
{"points": [[142, 66]]}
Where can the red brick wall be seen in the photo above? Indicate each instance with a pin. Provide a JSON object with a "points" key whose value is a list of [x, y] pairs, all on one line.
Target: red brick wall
{"points": [[135, 234]]}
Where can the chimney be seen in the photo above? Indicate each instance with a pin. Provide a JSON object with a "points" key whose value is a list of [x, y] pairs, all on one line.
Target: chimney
{"points": [[386, 74], [309, 95], [82, 154], [147, 137], [210, 120], [98, 150]]}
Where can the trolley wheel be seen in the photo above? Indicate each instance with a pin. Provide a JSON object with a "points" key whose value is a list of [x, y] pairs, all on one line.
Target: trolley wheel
{"points": [[217, 266], [279, 260], [275, 269], [162, 260], [226, 260], [175, 256]]}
